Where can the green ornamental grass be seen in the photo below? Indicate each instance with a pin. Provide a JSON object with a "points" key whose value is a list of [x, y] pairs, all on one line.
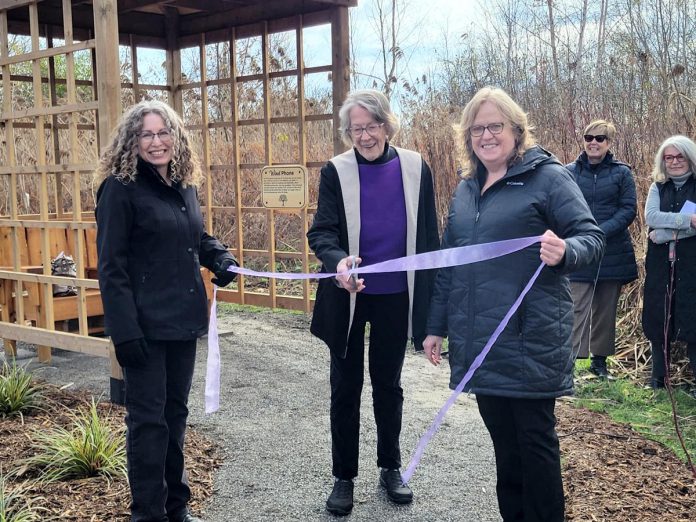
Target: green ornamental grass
{"points": [[18, 391], [91, 447], [14, 504]]}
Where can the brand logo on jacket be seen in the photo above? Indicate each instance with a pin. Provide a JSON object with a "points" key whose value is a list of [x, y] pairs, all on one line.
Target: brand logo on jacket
{"points": [[516, 183]]}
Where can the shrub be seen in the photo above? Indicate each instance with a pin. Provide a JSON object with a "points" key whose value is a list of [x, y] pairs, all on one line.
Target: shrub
{"points": [[14, 504], [91, 447], [18, 391]]}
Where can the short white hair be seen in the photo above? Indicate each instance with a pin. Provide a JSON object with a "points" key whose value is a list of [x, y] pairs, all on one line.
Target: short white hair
{"points": [[373, 102]]}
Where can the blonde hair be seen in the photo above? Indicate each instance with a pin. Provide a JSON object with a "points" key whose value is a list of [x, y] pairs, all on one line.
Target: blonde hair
{"points": [[373, 102], [684, 145], [510, 111], [120, 157], [603, 127]]}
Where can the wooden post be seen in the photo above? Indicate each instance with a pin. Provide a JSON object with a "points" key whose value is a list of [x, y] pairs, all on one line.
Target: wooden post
{"points": [[341, 68], [173, 59], [109, 95], [11, 159], [108, 70]]}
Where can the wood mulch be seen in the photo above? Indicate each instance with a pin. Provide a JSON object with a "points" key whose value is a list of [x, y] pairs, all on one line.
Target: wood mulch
{"points": [[610, 472], [92, 499]]}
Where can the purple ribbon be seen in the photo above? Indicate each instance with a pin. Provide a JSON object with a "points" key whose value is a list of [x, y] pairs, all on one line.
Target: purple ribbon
{"points": [[425, 439], [436, 259], [212, 371]]}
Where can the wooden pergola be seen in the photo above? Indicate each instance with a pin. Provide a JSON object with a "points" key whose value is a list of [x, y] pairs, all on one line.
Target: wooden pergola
{"points": [[258, 84]]}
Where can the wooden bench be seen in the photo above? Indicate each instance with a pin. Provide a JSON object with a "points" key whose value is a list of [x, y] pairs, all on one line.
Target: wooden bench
{"points": [[36, 295]]}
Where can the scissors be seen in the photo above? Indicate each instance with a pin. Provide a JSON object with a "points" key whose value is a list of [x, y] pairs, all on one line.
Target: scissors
{"points": [[353, 276]]}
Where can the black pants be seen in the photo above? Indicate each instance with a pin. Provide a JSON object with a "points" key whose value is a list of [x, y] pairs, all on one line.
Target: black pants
{"points": [[659, 369], [527, 457], [388, 318], [156, 412]]}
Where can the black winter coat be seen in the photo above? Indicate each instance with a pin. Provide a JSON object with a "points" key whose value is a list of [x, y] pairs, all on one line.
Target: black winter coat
{"points": [[610, 192], [657, 275], [151, 244], [532, 357]]}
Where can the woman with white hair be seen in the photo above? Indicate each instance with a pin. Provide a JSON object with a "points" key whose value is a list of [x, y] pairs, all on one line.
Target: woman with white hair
{"points": [[376, 202], [669, 313]]}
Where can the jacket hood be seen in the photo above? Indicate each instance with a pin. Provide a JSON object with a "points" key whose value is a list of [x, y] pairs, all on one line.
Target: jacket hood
{"points": [[531, 159]]}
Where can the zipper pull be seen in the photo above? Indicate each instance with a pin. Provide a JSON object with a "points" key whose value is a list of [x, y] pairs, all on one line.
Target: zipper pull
{"points": [[477, 216]]}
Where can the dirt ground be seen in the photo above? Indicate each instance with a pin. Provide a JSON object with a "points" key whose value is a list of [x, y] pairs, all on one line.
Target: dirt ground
{"points": [[610, 472]]}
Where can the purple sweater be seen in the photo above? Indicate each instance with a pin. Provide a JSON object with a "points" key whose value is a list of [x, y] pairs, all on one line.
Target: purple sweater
{"points": [[382, 224]]}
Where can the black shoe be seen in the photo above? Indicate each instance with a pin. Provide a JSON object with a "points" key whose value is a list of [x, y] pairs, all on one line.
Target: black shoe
{"points": [[340, 502], [397, 491], [598, 366]]}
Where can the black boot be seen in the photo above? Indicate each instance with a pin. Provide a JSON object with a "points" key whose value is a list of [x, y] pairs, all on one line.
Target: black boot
{"points": [[598, 366], [397, 491], [340, 502]]}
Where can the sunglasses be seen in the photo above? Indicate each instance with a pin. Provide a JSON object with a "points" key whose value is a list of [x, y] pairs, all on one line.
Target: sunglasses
{"points": [[599, 139]]}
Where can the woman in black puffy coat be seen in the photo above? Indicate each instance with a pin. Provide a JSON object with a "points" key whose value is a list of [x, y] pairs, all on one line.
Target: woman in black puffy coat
{"points": [[514, 188], [608, 187]]}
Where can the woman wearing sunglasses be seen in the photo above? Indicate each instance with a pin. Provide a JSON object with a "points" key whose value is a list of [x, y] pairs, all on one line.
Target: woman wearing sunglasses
{"points": [[608, 187], [670, 277]]}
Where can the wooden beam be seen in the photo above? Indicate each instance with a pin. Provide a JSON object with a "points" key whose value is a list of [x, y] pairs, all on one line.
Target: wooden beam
{"points": [[11, 4], [341, 69], [64, 340], [174, 79], [47, 53], [108, 71]]}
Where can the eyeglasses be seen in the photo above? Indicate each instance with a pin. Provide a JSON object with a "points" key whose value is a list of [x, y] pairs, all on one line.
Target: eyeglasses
{"points": [[371, 130], [147, 137], [493, 128], [599, 139], [669, 158]]}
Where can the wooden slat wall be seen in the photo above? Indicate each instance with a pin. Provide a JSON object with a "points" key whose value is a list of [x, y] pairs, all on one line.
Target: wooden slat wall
{"points": [[246, 291], [52, 166]]}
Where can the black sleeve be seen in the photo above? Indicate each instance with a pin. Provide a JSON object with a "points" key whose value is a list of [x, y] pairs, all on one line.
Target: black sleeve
{"points": [[214, 255], [570, 218], [626, 207], [324, 235]]}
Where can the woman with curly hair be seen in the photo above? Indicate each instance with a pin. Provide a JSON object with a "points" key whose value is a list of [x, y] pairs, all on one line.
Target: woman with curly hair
{"points": [[151, 244]]}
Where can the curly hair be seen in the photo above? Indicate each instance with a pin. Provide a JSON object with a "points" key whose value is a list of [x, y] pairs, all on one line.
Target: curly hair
{"points": [[120, 156], [510, 111]]}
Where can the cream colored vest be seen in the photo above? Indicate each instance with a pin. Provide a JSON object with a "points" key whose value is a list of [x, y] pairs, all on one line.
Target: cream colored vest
{"points": [[347, 168]]}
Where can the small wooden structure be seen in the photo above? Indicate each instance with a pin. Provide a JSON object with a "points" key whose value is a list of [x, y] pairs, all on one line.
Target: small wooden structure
{"points": [[257, 82]]}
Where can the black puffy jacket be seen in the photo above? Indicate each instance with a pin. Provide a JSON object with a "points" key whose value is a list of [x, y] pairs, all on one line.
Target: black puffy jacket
{"points": [[532, 357], [610, 193], [151, 245]]}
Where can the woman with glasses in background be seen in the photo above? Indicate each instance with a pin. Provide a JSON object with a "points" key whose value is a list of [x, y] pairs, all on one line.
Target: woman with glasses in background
{"points": [[376, 202], [608, 187], [513, 188], [151, 243], [669, 309]]}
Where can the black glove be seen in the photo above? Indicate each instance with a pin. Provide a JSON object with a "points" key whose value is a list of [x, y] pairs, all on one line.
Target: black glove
{"points": [[222, 276], [132, 354]]}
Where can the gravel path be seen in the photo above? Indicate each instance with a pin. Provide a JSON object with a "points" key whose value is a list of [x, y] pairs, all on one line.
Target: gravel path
{"points": [[273, 427]]}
